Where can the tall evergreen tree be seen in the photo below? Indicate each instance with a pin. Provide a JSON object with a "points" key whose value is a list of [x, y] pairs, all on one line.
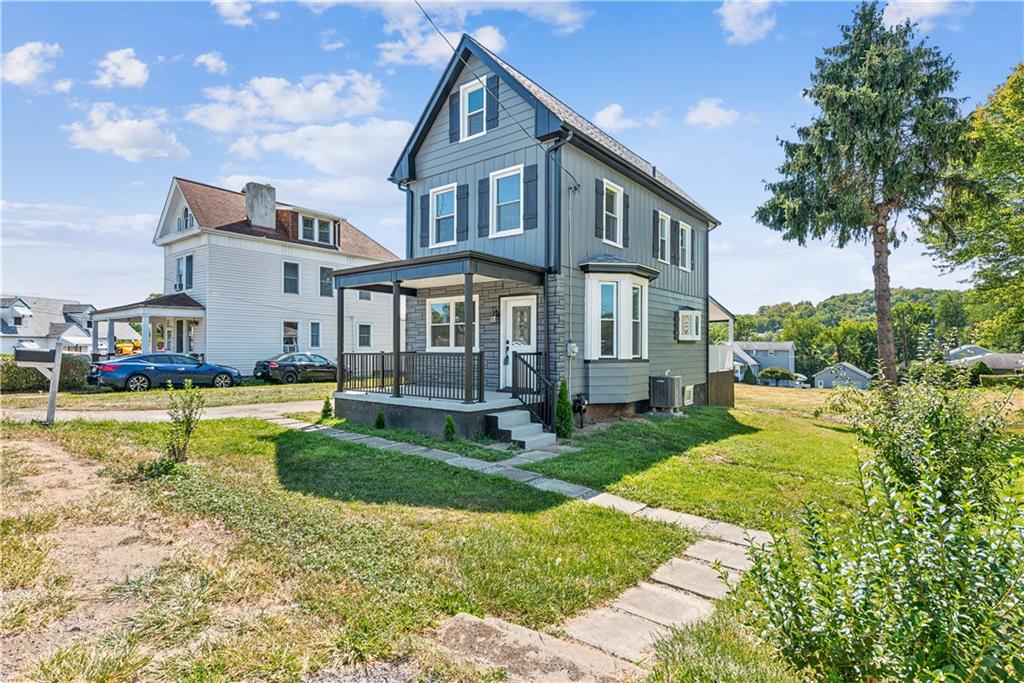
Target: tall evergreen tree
{"points": [[886, 130]]}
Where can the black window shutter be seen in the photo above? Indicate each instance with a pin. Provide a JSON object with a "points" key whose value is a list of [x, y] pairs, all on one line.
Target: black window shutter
{"points": [[599, 209], [462, 213], [693, 256], [492, 102], [655, 235], [483, 207], [625, 220], [674, 236], [425, 220], [530, 197], [453, 117]]}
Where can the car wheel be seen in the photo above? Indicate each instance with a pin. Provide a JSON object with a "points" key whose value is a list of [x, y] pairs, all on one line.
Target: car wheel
{"points": [[290, 378], [222, 380], [137, 383]]}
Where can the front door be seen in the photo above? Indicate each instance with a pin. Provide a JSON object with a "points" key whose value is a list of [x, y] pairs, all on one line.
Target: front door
{"points": [[518, 331], [179, 336]]}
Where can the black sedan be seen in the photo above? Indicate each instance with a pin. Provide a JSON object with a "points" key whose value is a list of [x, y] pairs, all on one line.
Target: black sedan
{"points": [[139, 373], [296, 367]]}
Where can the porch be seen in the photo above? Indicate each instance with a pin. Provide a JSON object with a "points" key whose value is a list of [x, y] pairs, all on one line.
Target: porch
{"points": [[721, 391], [177, 318]]}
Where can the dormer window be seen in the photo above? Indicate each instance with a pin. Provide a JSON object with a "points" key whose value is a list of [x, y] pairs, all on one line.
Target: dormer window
{"points": [[186, 220], [472, 98], [317, 229], [18, 321]]}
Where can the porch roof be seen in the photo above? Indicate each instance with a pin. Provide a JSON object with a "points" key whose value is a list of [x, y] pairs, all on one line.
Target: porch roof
{"points": [[437, 270], [170, 305]]}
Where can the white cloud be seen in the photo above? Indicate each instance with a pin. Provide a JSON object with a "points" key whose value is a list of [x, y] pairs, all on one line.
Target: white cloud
{"points": [[133, 137], [121, 68], [63, 85], [26, 64], [213, 62], [564, 17], [270, 15], [418, 42], [710, 112], [612, 119], [925, 13], [745, 22], [329, 41], [233, 13], [44, 219], [266, 102]]}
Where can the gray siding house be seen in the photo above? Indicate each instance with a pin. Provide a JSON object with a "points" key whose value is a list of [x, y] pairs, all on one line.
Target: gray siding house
{"points": [[769, 354], [840, 375], [578, 259]]}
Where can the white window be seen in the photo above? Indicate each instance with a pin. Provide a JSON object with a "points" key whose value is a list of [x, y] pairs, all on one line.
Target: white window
{"points": [[664, 225], [636, 320], [685, 245], [688, 395], [507, 202], [446, 324], [616, 317], [290, 284], [608, 331], [314, 335], [471, 97], [290, 336], [442, 216], [365, 335], [770, 352], [18, 320], [612, 213], [317, 229], [183, 276], [326, 282], [689, 325], [186, 220], [364, 295]]}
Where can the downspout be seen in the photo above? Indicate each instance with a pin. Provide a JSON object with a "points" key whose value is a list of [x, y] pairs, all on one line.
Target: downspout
{"points": [[550, 220], [404, 187]]}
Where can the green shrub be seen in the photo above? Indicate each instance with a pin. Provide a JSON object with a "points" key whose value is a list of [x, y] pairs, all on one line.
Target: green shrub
{"points": [[74, 371], [776, 374], [976, 371], [938, 373], [563, 412], [450, 432], [185, 410], [378, 420], [748, 376], [326, 413], [1002, 381]]}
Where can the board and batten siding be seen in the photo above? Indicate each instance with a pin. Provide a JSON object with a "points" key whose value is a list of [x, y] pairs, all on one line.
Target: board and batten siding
{"points": [[439, 162], [618, 381]]}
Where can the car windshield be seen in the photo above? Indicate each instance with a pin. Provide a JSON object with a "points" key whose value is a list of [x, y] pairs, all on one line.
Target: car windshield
{"points": [[319, 359]]}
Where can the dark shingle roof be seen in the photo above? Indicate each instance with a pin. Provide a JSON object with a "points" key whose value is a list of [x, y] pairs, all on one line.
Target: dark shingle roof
{"points": [[178, 300]]}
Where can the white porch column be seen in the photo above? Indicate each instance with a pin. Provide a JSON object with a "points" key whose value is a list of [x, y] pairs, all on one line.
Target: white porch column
{"points": [[95, 334], [146, 334], [110, 338], [731, 325]]}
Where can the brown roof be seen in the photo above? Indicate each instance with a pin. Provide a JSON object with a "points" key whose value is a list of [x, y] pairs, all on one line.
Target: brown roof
{"points": [[222, 209], [177, 300]]}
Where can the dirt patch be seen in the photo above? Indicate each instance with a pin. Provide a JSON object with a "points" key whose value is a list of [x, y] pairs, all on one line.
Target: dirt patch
{"points": [[718, 458]]}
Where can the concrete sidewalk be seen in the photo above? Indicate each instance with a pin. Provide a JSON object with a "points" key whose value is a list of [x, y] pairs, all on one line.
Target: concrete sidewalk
{"points": [[259, 410]]}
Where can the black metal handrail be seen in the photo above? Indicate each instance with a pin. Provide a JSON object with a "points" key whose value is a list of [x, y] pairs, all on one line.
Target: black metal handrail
{"points": [[532, 388], [422, 374]]}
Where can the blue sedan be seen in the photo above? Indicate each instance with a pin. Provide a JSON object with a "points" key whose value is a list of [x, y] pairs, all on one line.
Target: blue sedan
{"points": [[139, 373]]}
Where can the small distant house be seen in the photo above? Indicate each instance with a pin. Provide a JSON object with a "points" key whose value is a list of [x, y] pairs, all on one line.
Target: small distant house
{"points": [[741, 360], [998, 363], [842, 375], [765, 354], [35, 322], [965, 351]]}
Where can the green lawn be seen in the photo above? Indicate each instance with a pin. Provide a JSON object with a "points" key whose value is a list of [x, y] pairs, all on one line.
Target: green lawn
{"points": [[754, 464], [156, 399], [369, 547]]}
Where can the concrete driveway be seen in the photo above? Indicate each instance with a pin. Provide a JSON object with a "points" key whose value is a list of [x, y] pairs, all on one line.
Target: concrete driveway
{"points": [[258, 410]]}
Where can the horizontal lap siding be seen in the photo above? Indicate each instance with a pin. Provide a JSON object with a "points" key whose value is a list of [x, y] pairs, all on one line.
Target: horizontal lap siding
{"points": [[199, 248], [618, 381]]}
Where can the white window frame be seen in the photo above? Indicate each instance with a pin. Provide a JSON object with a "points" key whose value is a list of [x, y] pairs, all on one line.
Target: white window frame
{"points": [[186, 221], [181, 270], [360, 345], [636, 352], [688, 395], [368, 297], [316, 229], [619, 194], [664, 221], [451, 323], [464, 112], [685, 229], [298, 278], [319, 333], [319, 274], [624, 285], [616, 318], [453, 188], [495, 177], [696, 322], [298, 335]]}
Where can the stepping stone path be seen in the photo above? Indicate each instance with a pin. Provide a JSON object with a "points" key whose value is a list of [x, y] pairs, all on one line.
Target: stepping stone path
{"points": [[607, 643]]}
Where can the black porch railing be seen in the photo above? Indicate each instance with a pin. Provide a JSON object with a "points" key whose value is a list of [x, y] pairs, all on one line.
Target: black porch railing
{"points": [[422, 374], [534, 390]]}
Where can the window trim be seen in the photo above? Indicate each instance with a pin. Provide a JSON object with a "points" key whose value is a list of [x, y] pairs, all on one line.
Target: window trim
{"points": [[298, 335], [298, 278], [662, 216], [464, 90], [619, 194], [624, 317], [320, 283], [688, 395], [615, 318], [361, 292], [181, 267], [453, 188], [495, 176], [637, 353], [451, 324], [360, 345], [697, 321], [319, 334], [685, 228], [316, 229]]}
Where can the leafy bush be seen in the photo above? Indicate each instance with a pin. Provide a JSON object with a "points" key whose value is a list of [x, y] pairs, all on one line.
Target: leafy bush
{"points": [[776, 374], [74, 371], [450, 432], [563, 412], [378, 420], [976, 371], [326, 413], [1001, 381], [748, 376], [934, 372], [185, 410]]}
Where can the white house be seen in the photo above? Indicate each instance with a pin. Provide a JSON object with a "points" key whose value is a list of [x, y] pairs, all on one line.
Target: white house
{"points": [[247, 277], [35, 322]]}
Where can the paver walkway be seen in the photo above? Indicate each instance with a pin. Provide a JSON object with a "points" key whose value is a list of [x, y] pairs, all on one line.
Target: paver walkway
{"points": [[607, 642]]}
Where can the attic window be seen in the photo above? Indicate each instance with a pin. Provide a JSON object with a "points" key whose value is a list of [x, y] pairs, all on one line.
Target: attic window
{"points": [[186, 220], [18, 320], [317, 229], [472, 99]]}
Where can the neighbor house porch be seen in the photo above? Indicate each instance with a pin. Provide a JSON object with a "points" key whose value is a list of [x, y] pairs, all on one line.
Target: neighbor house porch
{"points": [[170, 323]]}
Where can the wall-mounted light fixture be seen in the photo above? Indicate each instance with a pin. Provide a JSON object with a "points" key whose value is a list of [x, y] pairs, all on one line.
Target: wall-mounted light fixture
{"points": [[494, 315]]}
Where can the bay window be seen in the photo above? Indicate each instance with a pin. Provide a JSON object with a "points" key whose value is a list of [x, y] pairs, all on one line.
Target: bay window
{"points": [[636, 304], [608, 331], [616, 317]]}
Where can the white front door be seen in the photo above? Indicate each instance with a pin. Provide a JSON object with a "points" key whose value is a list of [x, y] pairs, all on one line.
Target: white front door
{"points": [[518, 331]]}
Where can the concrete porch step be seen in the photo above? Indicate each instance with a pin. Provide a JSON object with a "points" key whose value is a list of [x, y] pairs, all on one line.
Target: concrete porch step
{"points": [[518, 427], [528, 655], [539, 440], [511, 418]]}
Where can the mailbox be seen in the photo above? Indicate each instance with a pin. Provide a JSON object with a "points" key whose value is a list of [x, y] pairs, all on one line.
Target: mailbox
{"points": [[35, 356]]}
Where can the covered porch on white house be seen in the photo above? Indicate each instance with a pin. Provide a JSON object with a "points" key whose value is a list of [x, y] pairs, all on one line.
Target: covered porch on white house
{"points": [[168, 323], [721, 391]]}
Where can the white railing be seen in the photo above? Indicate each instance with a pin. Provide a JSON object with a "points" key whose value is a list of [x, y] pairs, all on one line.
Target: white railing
{"points": [[720, 357]]}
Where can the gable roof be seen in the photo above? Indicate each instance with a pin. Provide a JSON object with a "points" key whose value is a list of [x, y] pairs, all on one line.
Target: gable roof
{"points": [[995, 361], [218, 208], [848, 366], [748, 345], [966, 351], [550, 114], [744, 357]]}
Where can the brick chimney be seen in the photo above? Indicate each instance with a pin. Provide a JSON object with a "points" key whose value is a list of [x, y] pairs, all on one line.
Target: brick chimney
{"points": [[261, 205]]}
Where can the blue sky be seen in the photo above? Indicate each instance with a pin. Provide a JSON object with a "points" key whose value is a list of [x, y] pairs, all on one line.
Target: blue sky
{"points": [[103, 103]]}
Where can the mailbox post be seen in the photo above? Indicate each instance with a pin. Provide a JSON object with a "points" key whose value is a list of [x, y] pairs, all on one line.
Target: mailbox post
{"points": [[46, 361]]}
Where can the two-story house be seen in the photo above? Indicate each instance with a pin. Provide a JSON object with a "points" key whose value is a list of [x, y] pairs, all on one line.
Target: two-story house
{"points": [[759, 355], [538, 249], [247, 277]]}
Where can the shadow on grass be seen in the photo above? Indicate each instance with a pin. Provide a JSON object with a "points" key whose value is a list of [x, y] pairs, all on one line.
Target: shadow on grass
{"points": [[633, 446], [340, 470]]}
